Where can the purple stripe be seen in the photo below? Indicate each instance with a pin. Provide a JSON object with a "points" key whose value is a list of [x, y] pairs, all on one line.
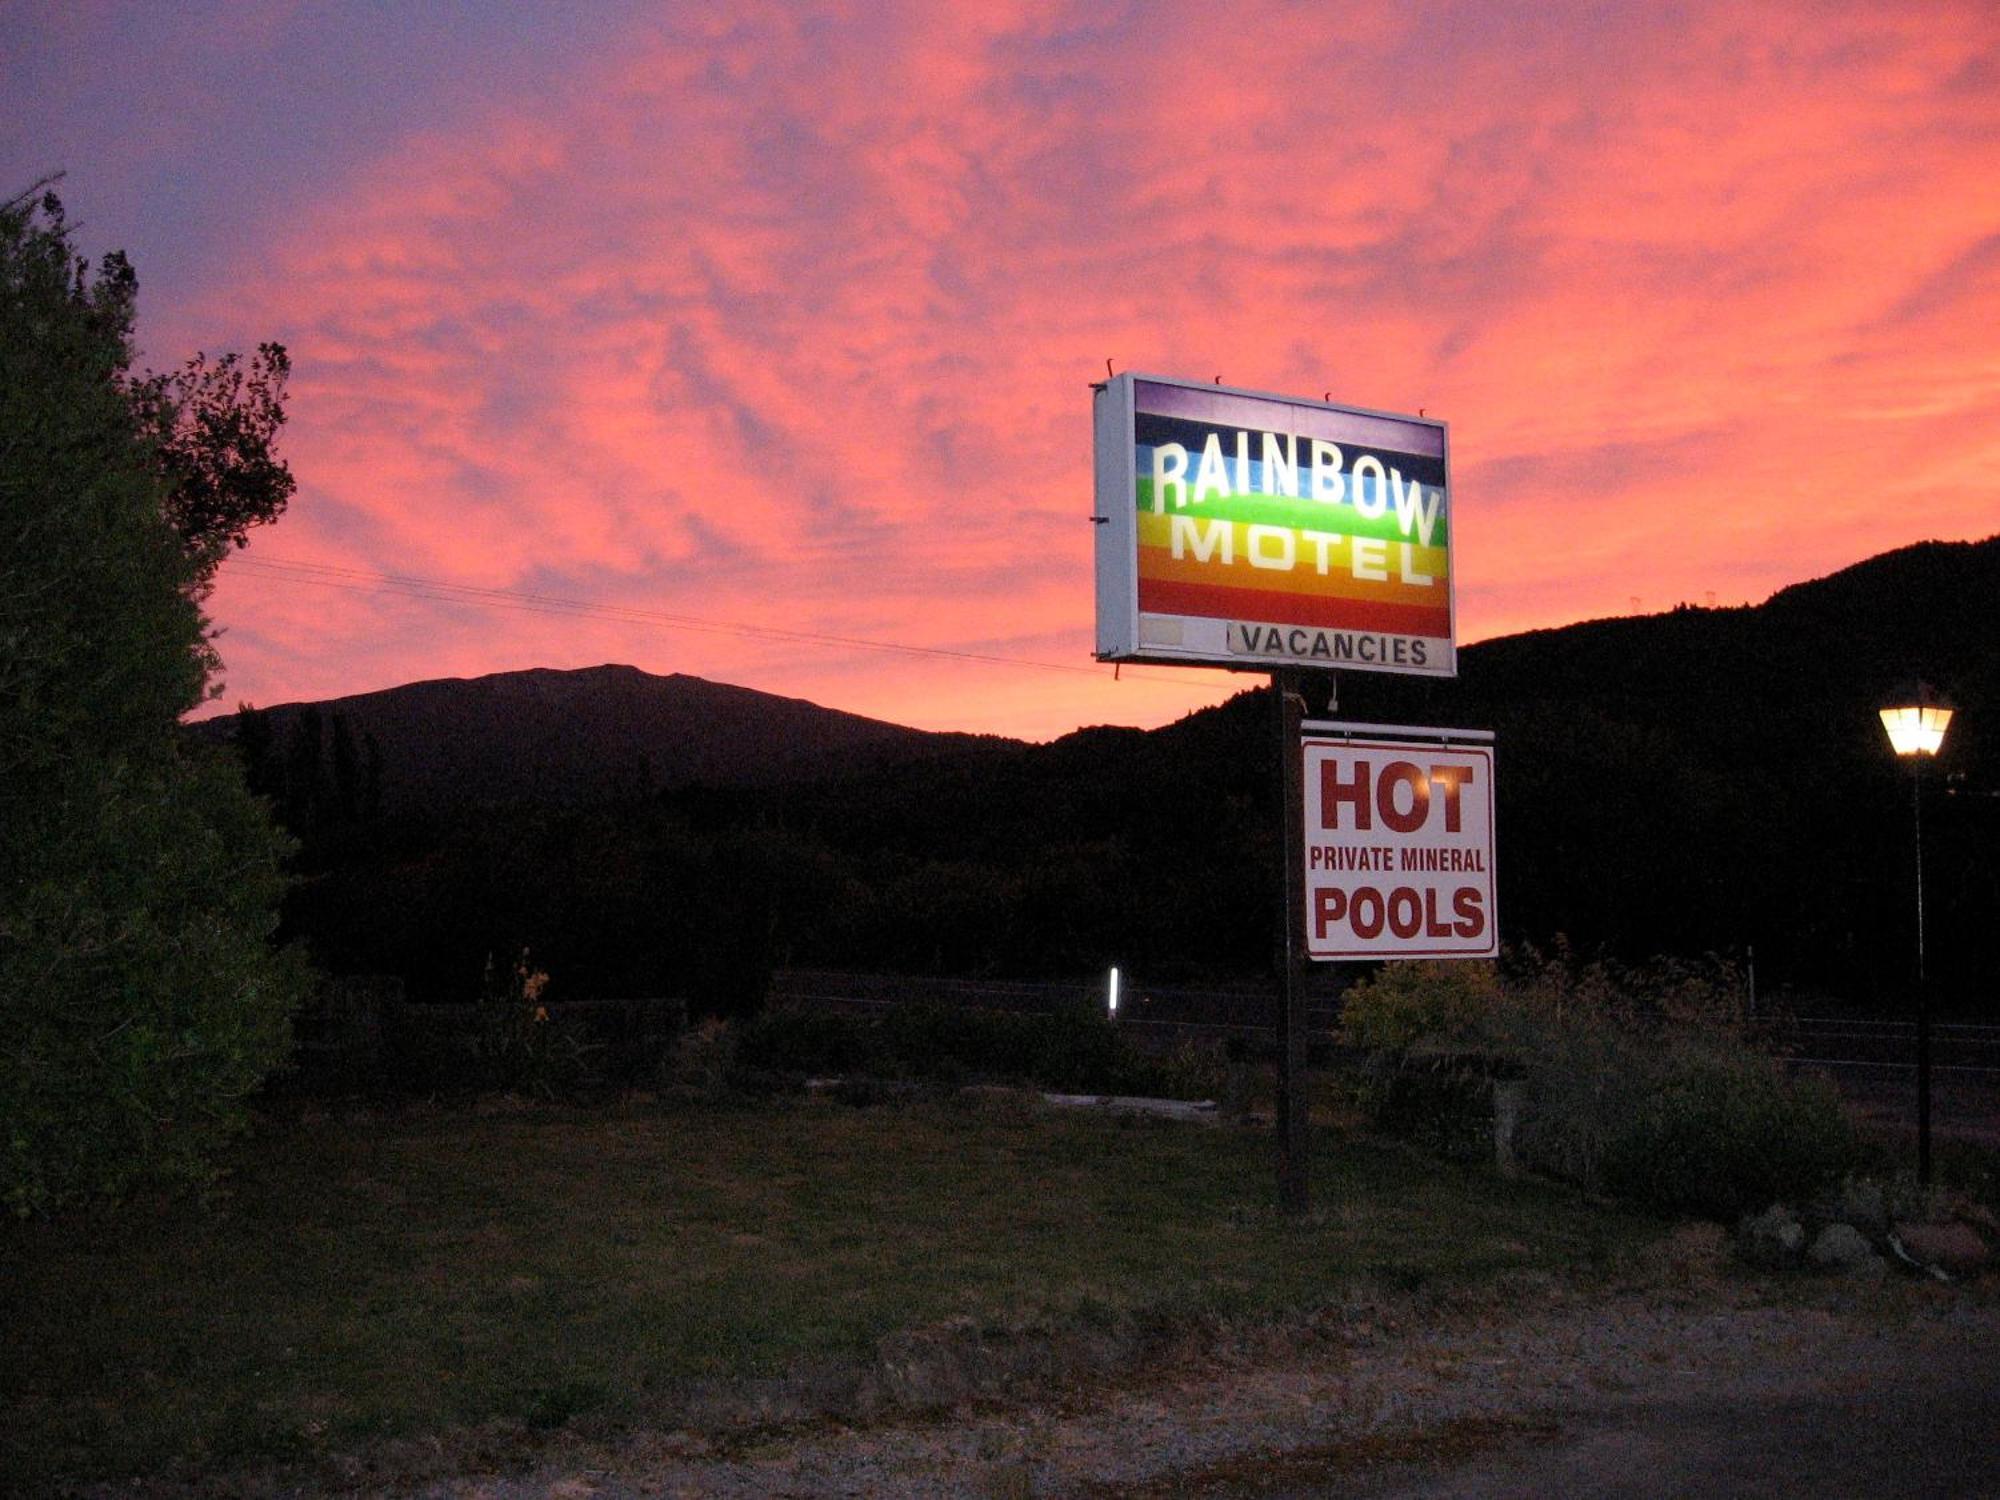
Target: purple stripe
{"points": [[1224, 408]]}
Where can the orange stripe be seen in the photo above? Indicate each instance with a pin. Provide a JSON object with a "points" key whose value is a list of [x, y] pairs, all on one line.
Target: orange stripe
{"points": [[1168, 597]]}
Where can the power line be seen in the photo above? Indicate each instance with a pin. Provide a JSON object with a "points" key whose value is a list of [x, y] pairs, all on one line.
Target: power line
{"points": [[410, 586]]}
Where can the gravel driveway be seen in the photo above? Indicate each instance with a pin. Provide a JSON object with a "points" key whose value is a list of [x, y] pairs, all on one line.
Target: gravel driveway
{"points": [[1696, 1382]]}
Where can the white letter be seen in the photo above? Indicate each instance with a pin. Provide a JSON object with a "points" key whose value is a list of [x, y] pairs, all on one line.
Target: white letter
{"points": [[1213, 475], [1321, 541], [1281, 465], [1327, 482], [1411, 509], [1260, 556], [1371, 500], [1409, 567], [1184, 534], [1371, 558], [1169, 472], [1242, 462]]}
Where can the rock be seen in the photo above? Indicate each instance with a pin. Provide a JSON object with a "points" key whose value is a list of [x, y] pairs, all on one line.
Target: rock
{"points": [[1196, 1111], [1956, 1248], [1843, 1248], [1979, 1217], [1772, 1239], [1864, 1205]]}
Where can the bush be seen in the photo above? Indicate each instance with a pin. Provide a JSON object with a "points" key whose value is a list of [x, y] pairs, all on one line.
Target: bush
{"points": [[1637, 1079], [1437, 1031], [520, 1047], [1446, 1109], [1204, 1070], [1426, 1001], [1663, 994], [702, 1059], [1722, 1135], [140, 1004], [802, 1042], [1584, 1073], [952, 1045]]}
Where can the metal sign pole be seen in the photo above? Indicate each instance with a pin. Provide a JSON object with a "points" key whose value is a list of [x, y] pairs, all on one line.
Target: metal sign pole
{"points": [[1294, 1177]]}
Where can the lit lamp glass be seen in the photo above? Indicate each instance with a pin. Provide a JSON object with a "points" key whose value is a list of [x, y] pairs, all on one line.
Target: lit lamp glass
{"points": [[1917, 728]]}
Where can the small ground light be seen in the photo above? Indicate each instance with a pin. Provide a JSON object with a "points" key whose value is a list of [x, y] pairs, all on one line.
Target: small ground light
{"points": [[1111, 994]]}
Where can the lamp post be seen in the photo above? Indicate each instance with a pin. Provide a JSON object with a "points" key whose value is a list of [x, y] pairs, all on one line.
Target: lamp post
{"points": [[1916, 723]]}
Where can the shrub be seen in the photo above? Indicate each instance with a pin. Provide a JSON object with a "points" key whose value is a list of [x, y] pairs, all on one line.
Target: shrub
{"points": [[1202, 1070], [1722, 1134], [802, 1042], [1445, 1108], [1637, 1078], [1664, 993], [700, 1064], [1437, 1030], [1583, 1073], [141, 1004], [1078, 1053], [950, 1045], [520, 1047], [1434, 1001]]}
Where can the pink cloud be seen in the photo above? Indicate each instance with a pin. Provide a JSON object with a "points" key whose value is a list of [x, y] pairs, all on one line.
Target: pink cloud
{"points": [[786, 315]]}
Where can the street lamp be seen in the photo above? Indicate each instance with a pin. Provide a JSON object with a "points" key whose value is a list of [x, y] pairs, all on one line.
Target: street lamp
{"points": [[1916, 723]]}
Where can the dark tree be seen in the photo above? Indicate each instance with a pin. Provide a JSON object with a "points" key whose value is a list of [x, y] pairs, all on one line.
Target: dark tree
{"points": [[346, 773], [212, 426], [261, 770], [140, 1001]]}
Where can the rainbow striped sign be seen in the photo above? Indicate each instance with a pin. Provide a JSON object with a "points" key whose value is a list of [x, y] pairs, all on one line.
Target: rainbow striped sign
{"points": [[1238, 529]]}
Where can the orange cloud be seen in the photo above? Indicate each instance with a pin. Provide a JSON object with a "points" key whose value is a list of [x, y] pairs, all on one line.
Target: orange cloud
{"points": [[785, 315]]}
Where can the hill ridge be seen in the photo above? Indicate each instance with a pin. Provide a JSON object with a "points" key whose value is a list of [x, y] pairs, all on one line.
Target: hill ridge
{"points": [[576, 735]]}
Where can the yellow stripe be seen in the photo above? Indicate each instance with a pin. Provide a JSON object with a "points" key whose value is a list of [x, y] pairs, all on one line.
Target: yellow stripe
{"points": [[1156, 560]]}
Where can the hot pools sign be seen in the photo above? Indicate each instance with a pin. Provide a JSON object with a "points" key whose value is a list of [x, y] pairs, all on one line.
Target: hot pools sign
{"points": [[1244, 530], [1398, 843]]}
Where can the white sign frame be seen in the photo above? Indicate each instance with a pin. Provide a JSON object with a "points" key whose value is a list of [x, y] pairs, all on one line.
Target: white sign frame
{"points": [[1402, 864], [1315, 615]]}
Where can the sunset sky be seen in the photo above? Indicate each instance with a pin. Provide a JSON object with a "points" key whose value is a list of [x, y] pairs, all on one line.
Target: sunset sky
{"points": [[730, 338]]}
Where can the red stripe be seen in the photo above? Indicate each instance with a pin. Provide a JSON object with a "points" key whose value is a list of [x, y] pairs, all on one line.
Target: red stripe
{"points": [[1161, 596]]}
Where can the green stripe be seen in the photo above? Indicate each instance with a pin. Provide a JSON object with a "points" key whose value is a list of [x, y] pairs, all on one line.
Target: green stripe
{"points": [[1302, 515]]}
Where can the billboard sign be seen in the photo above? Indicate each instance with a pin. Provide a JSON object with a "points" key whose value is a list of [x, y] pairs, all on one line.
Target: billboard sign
{"points": [[1238, 529], [1398, 843]]}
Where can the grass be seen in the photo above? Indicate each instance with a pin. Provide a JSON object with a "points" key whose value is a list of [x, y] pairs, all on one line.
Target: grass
{"points": [[407, 1275]]}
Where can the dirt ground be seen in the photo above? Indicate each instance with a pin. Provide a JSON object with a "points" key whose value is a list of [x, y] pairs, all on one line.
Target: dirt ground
{"points": [[1687, 1375], [1689, 1378]]}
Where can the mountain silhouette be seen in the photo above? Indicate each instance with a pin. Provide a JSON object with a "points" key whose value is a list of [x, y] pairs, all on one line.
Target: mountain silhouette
{"points": [[576, 737], [1693, 781], [1811, 664]]}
